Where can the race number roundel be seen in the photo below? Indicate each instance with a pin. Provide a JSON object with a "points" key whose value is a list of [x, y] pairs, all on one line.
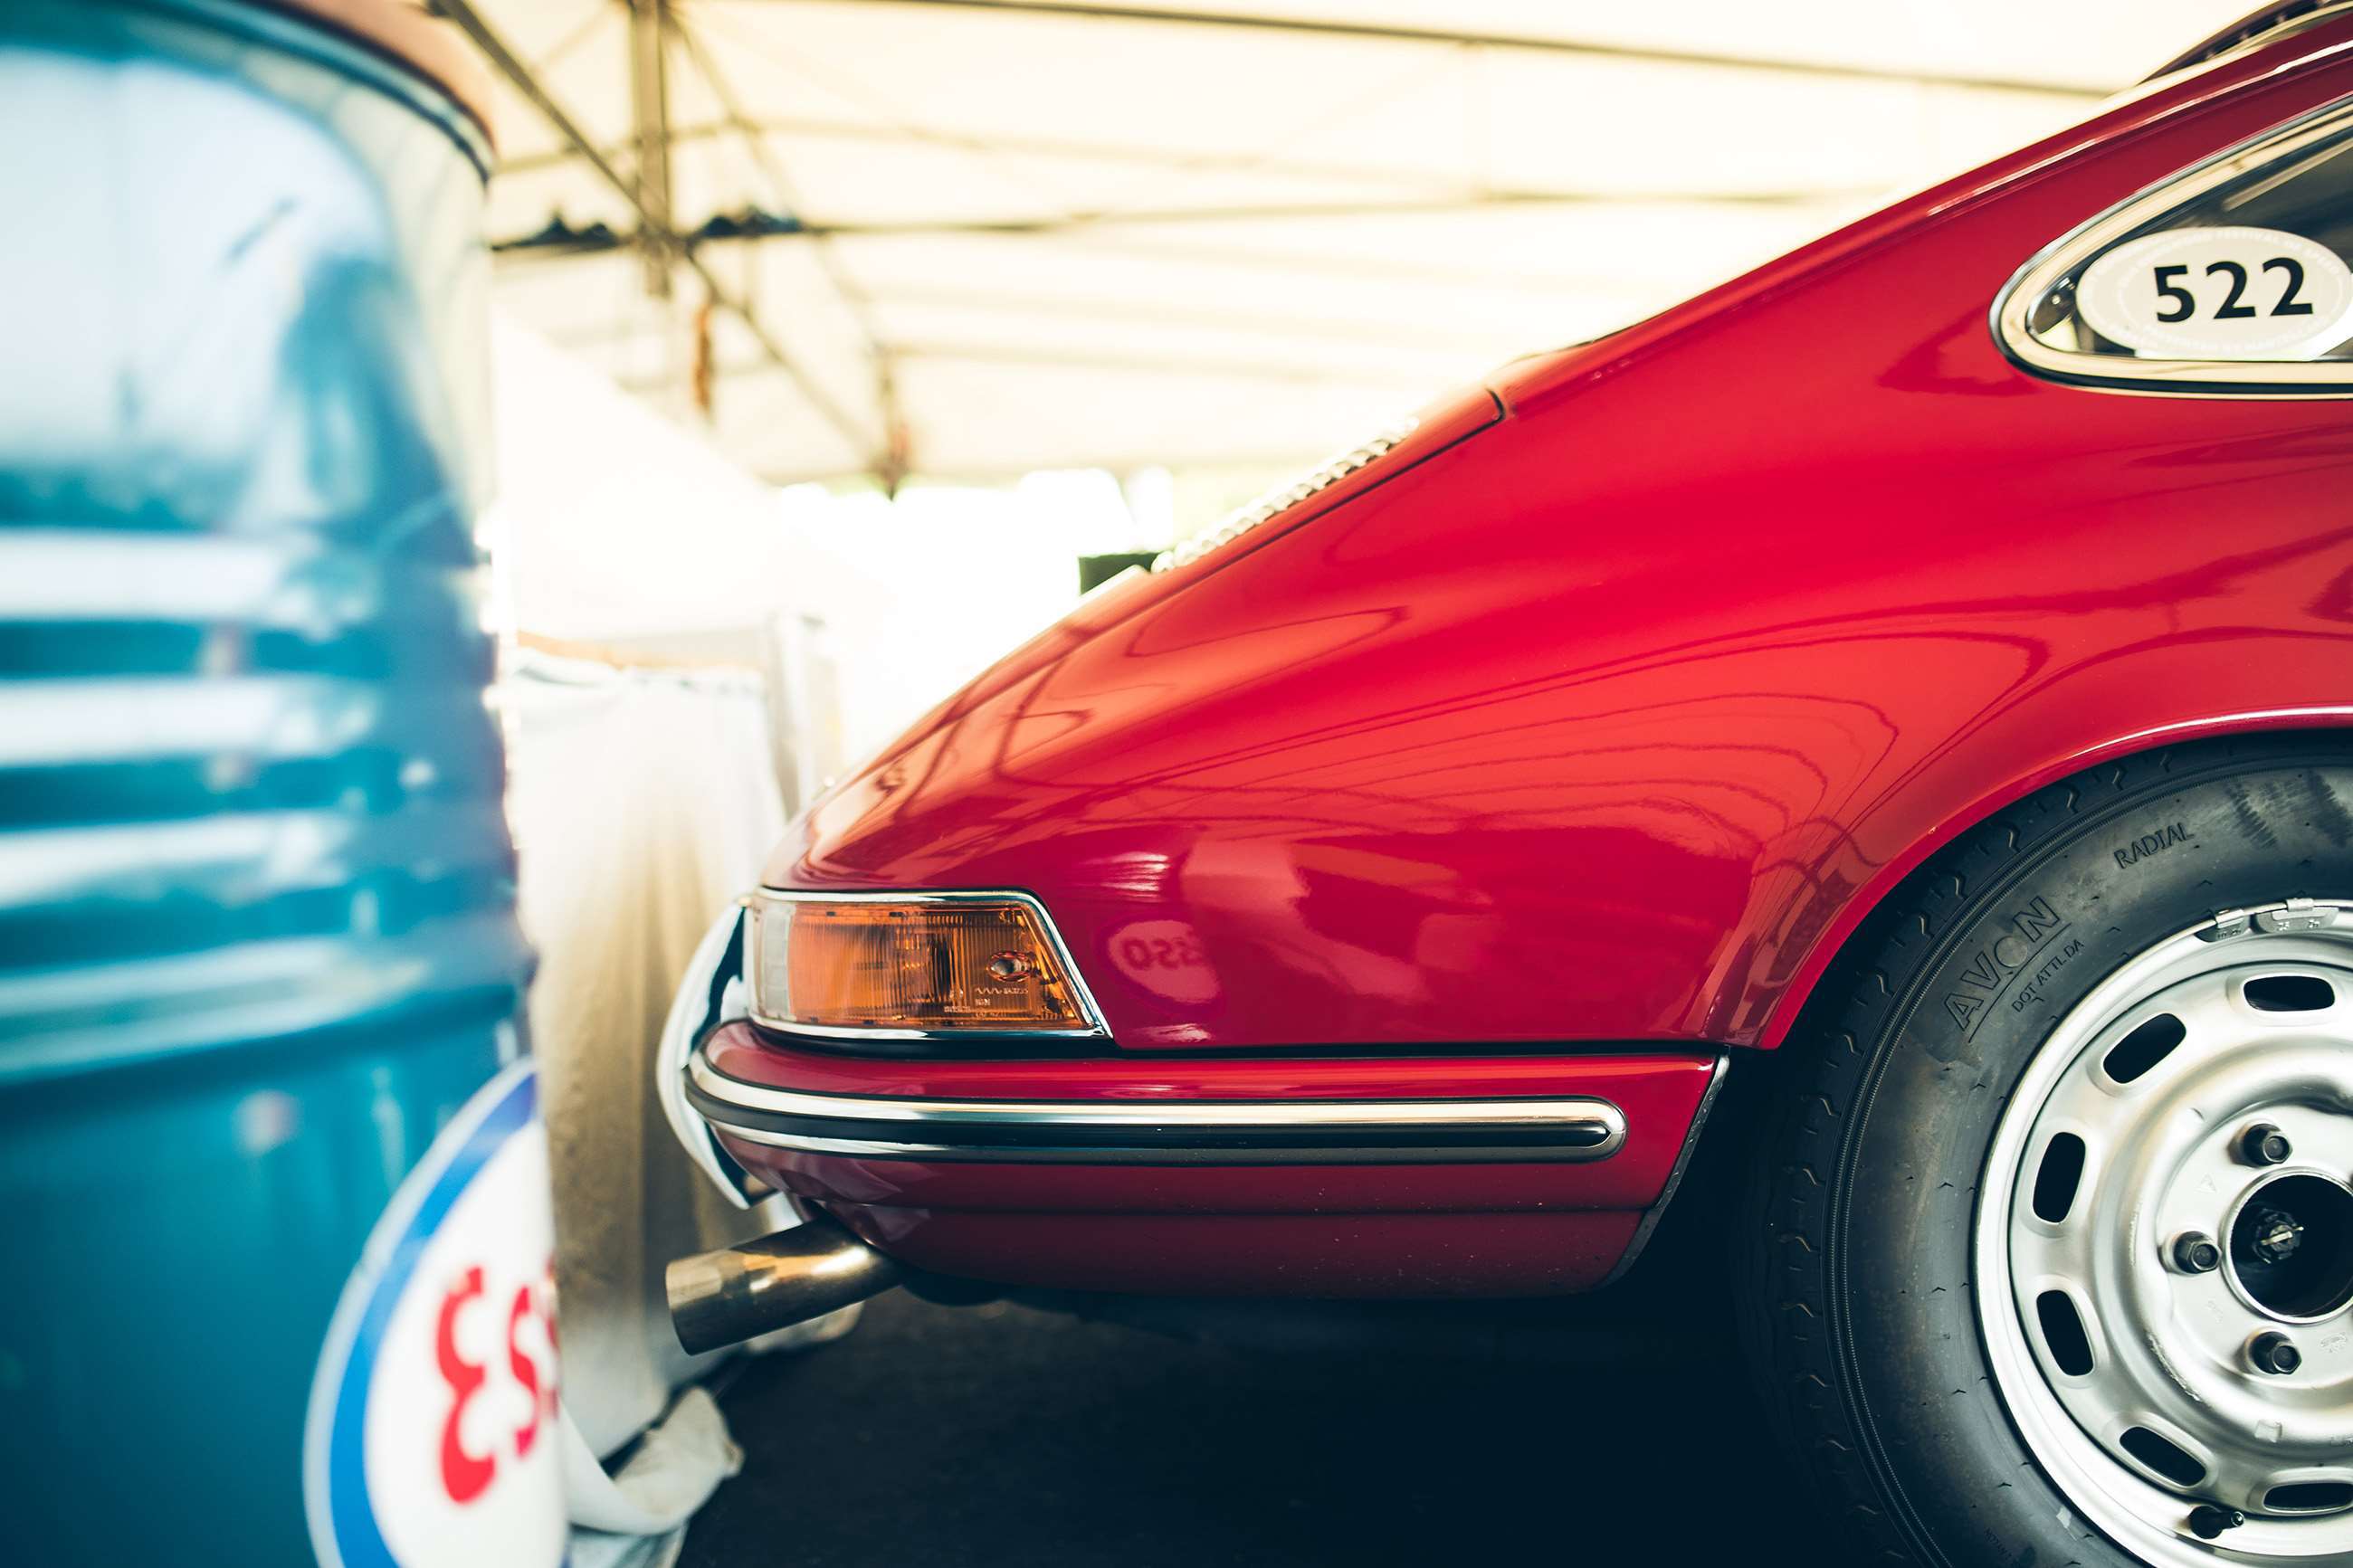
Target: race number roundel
{"points": [[2227, 293], [431, 1436]]}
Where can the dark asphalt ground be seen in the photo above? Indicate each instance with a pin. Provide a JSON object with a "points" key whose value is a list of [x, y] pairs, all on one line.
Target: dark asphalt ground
{"points": [[999, 1434]]}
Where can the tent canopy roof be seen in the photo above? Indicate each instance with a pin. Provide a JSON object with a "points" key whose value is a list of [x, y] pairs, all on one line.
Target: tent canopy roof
{"points": [[1039, 234]]}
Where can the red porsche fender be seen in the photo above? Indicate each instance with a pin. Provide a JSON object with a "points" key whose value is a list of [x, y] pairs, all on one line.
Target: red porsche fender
{"points": [[1606, 720]]}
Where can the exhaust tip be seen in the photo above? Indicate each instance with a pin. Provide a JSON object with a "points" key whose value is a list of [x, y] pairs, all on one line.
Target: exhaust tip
{"points": [[737, 1293]]}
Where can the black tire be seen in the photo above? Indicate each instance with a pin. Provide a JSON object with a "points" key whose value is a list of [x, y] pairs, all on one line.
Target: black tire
{"points": [[1853, 1260]]}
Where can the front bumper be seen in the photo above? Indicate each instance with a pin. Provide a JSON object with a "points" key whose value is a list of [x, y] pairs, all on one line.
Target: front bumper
{"points": [[1335, 1176]]}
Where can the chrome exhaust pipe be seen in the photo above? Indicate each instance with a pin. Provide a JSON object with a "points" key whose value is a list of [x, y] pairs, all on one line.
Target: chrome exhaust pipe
{"points": [[737, 1293]]}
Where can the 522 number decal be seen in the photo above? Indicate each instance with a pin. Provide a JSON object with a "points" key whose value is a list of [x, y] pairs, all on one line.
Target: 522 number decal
{"points": [[2227, 293], [2181, 304]]}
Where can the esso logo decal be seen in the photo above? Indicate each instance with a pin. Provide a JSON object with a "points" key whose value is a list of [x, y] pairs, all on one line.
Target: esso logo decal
{"points": [[432, 1431], [1165, 956], [2219, 294]]}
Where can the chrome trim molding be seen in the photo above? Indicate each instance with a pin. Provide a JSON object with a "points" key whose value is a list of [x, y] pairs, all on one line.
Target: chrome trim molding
{"points": [[1094, 1028], [1192, 1132], [1657, 1211], [2125, 372], [1283, 498], [2248, 33]]}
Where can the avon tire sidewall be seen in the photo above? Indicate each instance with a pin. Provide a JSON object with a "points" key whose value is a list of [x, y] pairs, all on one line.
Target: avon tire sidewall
{"points": [[2106, 883]]}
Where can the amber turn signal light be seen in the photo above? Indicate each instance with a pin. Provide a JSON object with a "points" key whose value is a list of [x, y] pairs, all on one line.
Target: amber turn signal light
{"points": [[940, 963]]}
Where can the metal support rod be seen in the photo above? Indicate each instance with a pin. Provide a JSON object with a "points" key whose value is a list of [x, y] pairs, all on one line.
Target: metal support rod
{"points": [[510, 65], [1357, 331], [1329, 27], [893, 466], [650, 27], [1066, 222], [1282, 371], [1408, 181]]}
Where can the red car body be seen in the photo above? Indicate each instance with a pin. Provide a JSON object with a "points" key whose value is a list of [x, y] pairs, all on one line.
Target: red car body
{"points": [[1558, 751]]}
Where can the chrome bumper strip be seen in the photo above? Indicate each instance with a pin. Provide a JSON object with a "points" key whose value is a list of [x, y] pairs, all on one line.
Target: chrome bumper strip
{"points": [[1159, 1132]]}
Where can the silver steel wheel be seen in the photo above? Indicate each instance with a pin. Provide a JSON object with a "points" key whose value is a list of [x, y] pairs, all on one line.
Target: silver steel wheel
{"points": [[2205, 1091]]}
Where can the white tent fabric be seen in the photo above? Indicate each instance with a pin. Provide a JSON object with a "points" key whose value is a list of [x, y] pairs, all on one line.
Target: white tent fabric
{"points": [[610, 526], [643, 805], [617, 530], [1095, 240]]}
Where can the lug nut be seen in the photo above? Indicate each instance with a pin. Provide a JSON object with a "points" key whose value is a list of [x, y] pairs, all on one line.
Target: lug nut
{"points": [[2274, 1353], [2207, 1521], [2263, 1144], [2194, 1252]]}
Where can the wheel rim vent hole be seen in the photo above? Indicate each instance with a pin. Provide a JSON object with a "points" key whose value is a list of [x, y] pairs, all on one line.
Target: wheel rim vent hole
{"points": [[2146, 1046], [2290, 994], [2309, 1497], [2062, 1333], [2056, 1179], [2163, 1457]]}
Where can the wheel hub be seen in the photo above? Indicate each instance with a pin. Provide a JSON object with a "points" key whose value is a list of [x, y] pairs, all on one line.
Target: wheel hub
{"points": [[2274, 1235], [2165, 1245], [2292, 1246]]}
